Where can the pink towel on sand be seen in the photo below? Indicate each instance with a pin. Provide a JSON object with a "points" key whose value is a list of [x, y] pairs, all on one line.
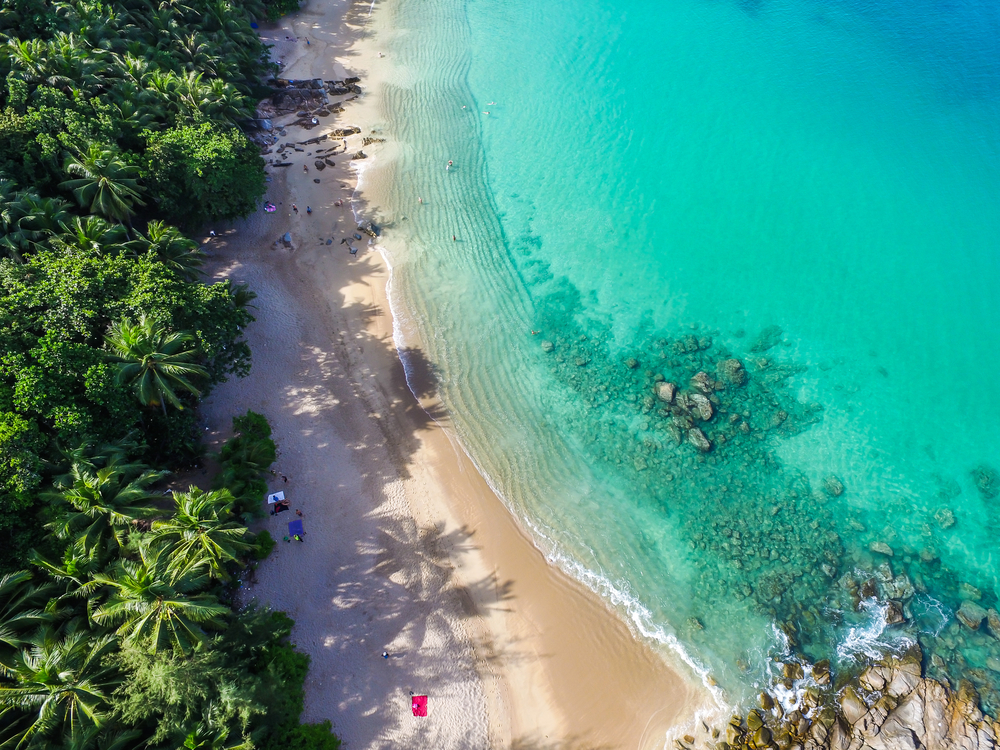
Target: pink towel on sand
{"points": [[419, 704]]}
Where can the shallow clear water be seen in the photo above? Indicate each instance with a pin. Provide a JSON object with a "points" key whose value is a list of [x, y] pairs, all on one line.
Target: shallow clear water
{"points": [[657, 188]]}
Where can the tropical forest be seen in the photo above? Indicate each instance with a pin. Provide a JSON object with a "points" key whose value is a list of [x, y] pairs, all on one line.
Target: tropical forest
{"points": [[120, 623]]}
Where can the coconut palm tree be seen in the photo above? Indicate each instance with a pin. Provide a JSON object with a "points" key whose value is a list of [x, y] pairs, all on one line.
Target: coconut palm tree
{"points": [[200, 533], [154, 361], [152, 607], [102, 182], [58, 683], [174, 250], [27, 219], [22, 604], [91, 236], [103, 505]]}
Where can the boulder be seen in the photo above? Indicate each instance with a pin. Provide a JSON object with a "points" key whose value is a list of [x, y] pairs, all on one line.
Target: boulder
{"points": [[702, 382], [821, 671], [852, 707], [319, 164], [833, 486], [987, 481], [792, 670], [731, 372], [762, 737], [665, 391], [874, 678], [766, 701], [894, 613], [702, 406], [767, 339], [904, 680], [993, 620], [881, 548], [971, 614], [945, 518], [697, 438]]}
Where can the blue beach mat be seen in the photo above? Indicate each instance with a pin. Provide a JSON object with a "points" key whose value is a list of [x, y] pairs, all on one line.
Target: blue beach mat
{"points": [[295, 527]]}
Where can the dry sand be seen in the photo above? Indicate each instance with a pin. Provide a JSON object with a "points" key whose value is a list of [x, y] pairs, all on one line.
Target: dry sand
{"points": [[407, 549]]}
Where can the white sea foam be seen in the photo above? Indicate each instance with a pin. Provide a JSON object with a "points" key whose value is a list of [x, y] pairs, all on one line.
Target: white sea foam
{"points": [[871, 640]]}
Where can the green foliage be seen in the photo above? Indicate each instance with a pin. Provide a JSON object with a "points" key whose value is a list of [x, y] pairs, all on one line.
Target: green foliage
{"points": [[278, 8], [263, 545], [204, 172], [245, 459], [20, 464], [307, 737], [120, 639]]}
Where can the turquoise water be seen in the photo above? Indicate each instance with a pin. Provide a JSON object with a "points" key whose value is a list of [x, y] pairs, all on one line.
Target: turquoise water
{"points": [[660, 188]]}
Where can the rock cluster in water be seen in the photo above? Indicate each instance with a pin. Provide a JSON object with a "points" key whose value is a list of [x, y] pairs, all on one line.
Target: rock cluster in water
{"points": [[891, 705], [694, 427]]}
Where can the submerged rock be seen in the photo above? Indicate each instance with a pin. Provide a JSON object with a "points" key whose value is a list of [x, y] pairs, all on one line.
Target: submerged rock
{"points": [[945, 518], [665, 391], [881, 548], [702, 406], [731, 372], [833, 486], [987, 481], [971, 614], [697, 438], [767, 339]]}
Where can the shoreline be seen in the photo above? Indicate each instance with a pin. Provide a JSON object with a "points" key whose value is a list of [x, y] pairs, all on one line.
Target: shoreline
{"points": [[537, 657]]}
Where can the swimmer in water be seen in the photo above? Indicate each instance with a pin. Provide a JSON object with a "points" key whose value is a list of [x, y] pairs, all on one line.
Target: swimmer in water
{"points": [[490, 104], [485, 113], [420, 200], [449, 166]]}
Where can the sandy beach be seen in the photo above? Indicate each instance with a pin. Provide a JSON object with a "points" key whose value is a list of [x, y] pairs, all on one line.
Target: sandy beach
{"points": [[408, 551]]}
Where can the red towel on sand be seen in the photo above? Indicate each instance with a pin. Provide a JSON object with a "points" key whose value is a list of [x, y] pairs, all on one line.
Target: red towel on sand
{"points": [[419, 703]]}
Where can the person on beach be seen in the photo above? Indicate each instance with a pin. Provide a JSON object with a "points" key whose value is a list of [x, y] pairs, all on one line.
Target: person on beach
{"points": [[309, 210], [298, 513], [295, 208], [385, 654], [284, 479], [298, 538], [305, 167]]}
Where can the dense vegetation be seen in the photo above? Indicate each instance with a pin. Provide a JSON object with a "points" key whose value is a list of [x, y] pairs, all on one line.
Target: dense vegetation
{"points": [[119, 120]]}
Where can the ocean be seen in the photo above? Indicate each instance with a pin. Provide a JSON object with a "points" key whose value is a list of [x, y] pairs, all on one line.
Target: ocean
{"points": [[711, 294]]}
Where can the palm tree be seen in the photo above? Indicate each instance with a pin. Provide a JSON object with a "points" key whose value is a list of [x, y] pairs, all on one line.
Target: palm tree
{"points": [[91, 236], [208, 737], [200, 532], [151, 606], [59, 682], [175, 251], [104, 504], [26, 219], [103, 183], [154, 361], [241, 295], [21, 607]]}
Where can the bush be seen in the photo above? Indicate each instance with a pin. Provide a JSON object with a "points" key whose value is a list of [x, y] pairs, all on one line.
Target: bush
{"points": [[278, 8], [199, 173]]}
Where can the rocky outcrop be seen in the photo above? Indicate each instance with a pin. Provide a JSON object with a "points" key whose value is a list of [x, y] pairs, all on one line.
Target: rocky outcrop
{"points": [[890, 706]]}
